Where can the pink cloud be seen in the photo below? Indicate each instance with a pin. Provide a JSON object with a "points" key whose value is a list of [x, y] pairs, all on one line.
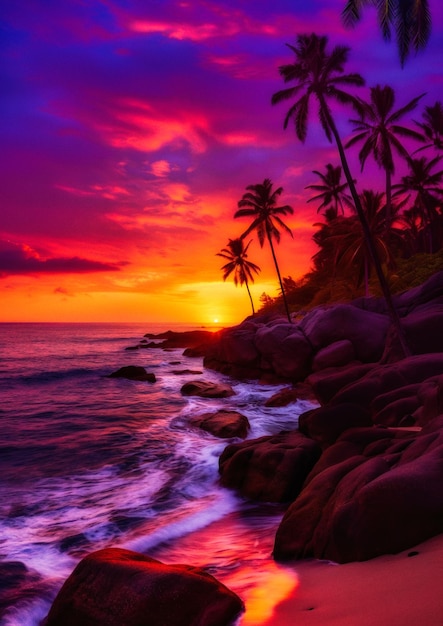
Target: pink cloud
{"points": [[23, 259]]}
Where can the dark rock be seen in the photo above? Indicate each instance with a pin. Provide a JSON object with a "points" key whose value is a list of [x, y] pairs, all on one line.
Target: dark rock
{"points": [[186, 339], [206, 389], [289, 395], [186, 371], [374, 492], [335, 354], [327, 383], [116, 587], [269, 469], [223, 424], [385, 378], [286, 349], [347, 322], [133, 372], [327, 423], [431, 291], [391, 408]]}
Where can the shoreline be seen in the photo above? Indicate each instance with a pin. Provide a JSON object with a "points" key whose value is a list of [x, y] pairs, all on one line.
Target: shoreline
{"points": [[390, 590]]}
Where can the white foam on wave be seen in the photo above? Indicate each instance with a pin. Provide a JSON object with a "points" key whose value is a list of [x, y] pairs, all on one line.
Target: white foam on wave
{"points": [[28, 613], [191, 517], [73, 506]]}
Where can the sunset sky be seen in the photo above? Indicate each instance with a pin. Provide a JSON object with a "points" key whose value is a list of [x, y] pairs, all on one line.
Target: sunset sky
{"points": [[129, 131]]}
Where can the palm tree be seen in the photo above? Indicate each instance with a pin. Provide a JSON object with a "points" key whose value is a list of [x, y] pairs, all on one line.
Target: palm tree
{"points": [[260, 203], [410, 19], [332, 192], [353, 251], [321, 75], [379, 130], [427, 186], [236, 253], [432, 126]]}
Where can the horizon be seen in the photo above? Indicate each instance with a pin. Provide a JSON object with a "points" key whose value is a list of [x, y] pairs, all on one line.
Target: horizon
{"points": [[130, 132]]}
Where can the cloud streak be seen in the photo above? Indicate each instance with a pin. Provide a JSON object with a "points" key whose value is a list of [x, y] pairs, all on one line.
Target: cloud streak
{"points": [[15, 259], [131, 129]]}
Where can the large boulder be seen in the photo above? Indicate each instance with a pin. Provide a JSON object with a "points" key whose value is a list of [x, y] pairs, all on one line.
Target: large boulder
{"points": [[271, 468], [206, 389], [376, 491], [325, 384], [429, 292], [335, 354], [327, 423], [234, 352], [286, 349], [324, 326], [116, 587], [223, 424], [384, 378]]}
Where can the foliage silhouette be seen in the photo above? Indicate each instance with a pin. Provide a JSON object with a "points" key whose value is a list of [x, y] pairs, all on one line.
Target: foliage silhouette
{"points": [[260, 203]]}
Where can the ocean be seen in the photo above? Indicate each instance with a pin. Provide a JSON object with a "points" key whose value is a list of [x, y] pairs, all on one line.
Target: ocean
{"points": [[88, 462]]}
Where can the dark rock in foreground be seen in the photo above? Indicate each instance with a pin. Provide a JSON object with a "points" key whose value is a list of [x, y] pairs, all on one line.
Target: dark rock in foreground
{"points": [[116, 587], [375, 491], [133, 372], [223, 424], [269, 469], [206, 389]]}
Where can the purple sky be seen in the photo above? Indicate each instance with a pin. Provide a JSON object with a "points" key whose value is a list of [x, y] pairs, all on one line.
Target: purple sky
{"points": [[129, 131]]}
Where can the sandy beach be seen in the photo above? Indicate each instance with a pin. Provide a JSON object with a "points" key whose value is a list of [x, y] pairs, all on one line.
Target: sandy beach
{"points": [[394, 590]]}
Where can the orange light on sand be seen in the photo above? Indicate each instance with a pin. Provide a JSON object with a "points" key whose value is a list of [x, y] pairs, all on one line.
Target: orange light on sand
{"points": [[266, 591]]}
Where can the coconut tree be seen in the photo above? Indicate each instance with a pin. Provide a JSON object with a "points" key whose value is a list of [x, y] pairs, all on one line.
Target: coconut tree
{"points": [[432, 126], [410, 19], [379, 131], [236, 253], [427, 186], [332, 192], [260, 203], [353, 253], [320, 75]]}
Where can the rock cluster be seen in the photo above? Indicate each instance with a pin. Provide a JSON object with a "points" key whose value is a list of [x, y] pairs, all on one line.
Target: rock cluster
{"points": [[363, 474], [336, 336]]}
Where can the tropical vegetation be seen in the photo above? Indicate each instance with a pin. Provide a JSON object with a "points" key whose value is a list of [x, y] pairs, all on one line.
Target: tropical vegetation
{"points": [[370, 241], [409, 19], [260, 202], [236, 254]]}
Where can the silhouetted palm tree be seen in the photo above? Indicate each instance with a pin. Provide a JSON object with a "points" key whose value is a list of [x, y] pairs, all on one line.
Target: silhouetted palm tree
{"points": [[427, 186], [332, 192], [353, 251], [260, 203], [379, 130], [410, 20], [432, 126], [319, 74], [236, 253]]}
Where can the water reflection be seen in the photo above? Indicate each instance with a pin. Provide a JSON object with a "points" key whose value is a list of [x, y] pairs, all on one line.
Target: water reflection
{"points": [[237, 550]]}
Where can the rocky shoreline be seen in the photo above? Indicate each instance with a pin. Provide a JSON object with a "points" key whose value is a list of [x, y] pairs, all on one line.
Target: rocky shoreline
{"points": [[362, 474]]}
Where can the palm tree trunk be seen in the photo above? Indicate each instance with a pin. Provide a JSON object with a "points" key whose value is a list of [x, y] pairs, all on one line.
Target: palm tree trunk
{"points": [[388, 205], [366, 276], [279, 277], [250, 298], [367, 234]]}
